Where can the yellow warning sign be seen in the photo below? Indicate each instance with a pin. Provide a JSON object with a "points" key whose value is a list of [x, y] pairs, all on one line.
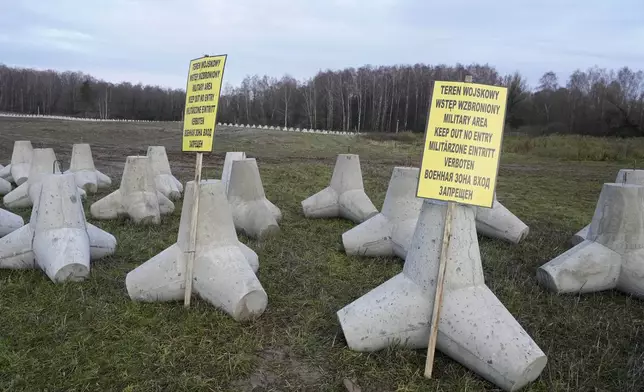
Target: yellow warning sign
{"points": [[202, 101], [463, 143]]}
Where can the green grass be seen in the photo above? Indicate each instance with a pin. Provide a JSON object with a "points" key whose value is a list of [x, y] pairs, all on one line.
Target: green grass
{"points": [[89, 336], [578, 148]]}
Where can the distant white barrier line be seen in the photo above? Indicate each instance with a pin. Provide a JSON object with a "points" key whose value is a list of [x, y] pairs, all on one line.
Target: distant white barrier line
{"points": [[285, 129], [67, 118]]}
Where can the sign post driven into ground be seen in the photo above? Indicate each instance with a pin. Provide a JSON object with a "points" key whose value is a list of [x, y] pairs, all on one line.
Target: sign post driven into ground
{"points": [[199, 119], [460, 162]]}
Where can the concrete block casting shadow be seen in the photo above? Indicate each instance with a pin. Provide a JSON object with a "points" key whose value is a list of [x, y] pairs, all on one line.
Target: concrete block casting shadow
{"points": [[57, 239], [253, 213], [224, 268], [344, 197], [9, 222], [389, 232], [137, 197], [475, 328], [18, 170], [612, 255], [82, 167], [43, 163], [164, 181]]}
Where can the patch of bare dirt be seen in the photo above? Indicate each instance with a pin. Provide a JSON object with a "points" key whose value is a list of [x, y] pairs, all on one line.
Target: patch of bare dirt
{"points": [[278, 370]]}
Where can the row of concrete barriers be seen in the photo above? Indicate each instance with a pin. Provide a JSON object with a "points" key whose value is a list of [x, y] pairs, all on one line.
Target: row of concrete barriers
{"points": [[248, 126]]}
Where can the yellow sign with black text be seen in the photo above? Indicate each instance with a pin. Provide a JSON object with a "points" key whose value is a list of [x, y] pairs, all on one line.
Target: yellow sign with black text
{"points": [[202, 101], [463, 143]]}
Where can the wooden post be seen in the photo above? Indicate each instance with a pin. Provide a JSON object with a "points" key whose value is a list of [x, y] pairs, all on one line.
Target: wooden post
{"points": [[440, 280], [438, 297], [190, 260]]}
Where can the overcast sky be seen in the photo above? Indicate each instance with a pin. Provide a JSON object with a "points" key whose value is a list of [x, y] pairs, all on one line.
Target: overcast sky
{"points": [[152, 41]]}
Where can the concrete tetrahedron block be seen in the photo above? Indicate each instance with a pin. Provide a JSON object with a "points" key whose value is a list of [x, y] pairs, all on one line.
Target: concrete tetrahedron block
{"points": [[475, 328], [57, 239], [344, 197], [137, 196], [624, 176], [43, 163], [228, 165], [498, 222], [9, 222], [165, 182], [18, 170], [223, 266], [5, 187], [253, 213], [389, 232], [612, 256], [82, 167]]}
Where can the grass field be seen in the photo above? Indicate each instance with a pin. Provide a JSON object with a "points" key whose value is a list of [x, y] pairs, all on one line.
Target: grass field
{"points": [[90, 337]]}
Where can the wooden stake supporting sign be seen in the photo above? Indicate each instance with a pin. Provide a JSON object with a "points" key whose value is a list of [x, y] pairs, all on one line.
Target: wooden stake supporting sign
{"points": [[438, 297], [460, 163], [190, 259], [199, 119]]}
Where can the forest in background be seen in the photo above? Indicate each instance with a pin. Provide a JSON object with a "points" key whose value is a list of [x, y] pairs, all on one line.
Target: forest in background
{"points": [[596, 101]]}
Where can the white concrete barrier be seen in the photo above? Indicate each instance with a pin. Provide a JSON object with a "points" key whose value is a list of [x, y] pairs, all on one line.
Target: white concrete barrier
{"points": [[85, 174], [57, 239], [228, 165], [344, 197], [390, 232], [5, 186], [498, 222], [137, 197], [224, 268], [474, 329], [18, 170], [612, 255], [165, 182], [9, 222], [26, 195], [624, 176], [253, 213], [68, 118]]}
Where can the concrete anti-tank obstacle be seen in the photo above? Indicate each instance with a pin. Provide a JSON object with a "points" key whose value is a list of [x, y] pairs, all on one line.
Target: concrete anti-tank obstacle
{"points": [[137, 196], [82, 167], [228, 165], [9, 222], [18, 170], [344, 197], [498, 222], [5, 187], [165, 182], [224, 268], [624, 176], [57, 239], [42, 164], [389, 232], [253, 213], [612, 256], [475, 328]]}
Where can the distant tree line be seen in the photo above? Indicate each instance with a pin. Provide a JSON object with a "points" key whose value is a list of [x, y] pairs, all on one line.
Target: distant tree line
{"points": [[396, 98], [77, 94], [393, 98]]}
